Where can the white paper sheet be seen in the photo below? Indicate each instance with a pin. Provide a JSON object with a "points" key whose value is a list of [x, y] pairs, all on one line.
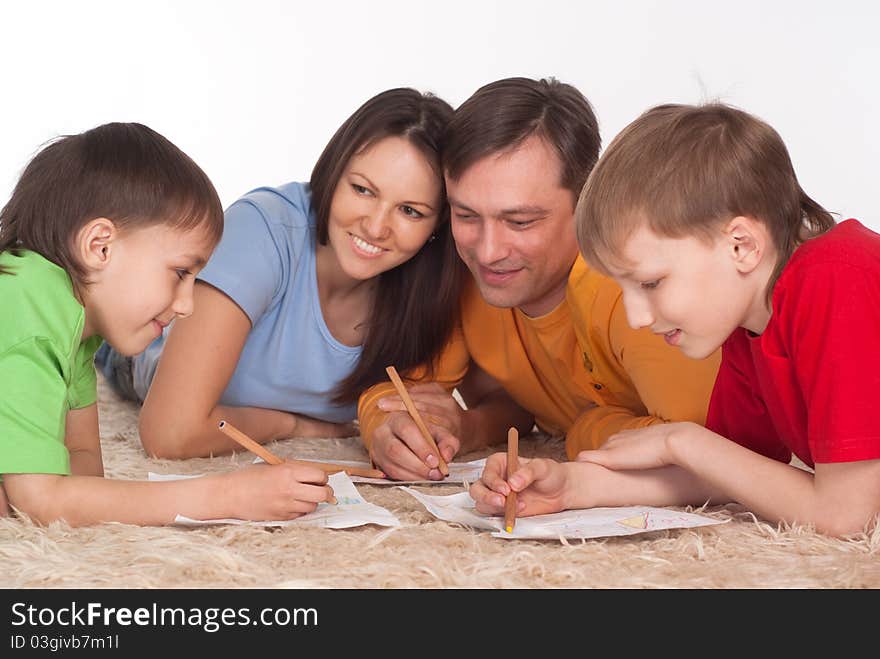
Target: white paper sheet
{"points": [[350, 510], [459, 472], [590, 523]]}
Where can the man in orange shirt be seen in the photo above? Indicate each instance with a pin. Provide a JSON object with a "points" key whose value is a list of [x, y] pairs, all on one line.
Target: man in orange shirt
{"points": [[543, 339]]}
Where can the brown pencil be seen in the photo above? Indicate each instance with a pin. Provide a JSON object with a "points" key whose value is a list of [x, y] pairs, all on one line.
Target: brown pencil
{"points": [[512, 466], [258, 449], [414, 413]]}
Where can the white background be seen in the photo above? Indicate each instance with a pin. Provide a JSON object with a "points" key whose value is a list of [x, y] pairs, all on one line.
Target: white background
{"points": [[253, 90]]}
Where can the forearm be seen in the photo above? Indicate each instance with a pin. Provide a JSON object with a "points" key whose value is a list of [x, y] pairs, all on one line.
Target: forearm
{"points": [[187, 438], [774, 490], [593, 486], [88, 500], [486, 423], [594, 426]]}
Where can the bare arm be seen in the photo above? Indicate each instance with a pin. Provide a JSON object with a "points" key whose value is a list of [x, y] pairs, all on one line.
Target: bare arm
{"points": [[83, 442], [258, 492], [181, 413], [839, 498], [491, 411]]}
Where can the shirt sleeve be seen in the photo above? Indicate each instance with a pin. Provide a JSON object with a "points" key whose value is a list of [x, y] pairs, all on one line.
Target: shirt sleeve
{"points": [[736, 409], [670, 386], [246, 265], [449, 370], [832, 313], [83, 389], [33, 408]]}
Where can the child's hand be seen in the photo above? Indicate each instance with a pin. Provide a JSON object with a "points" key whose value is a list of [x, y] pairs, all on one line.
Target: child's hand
{"points": [[644, 448], [277, 492], [542, 486]]}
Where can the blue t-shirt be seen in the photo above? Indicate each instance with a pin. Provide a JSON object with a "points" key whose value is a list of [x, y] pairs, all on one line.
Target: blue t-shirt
{"points": [[266, 264]]}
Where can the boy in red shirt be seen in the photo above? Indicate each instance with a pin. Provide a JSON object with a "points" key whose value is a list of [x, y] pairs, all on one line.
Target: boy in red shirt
{"points": [[697, 213]]}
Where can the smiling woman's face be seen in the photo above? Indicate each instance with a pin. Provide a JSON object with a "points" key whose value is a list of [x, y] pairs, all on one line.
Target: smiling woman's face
{"points": [[385, 207]]}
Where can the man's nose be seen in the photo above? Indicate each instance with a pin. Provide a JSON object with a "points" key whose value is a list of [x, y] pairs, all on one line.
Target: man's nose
{"points": [[492, 245]]}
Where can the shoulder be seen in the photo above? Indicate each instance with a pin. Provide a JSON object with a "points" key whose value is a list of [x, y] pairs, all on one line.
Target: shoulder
{"points": [[39, 298], [288, 205], [849, 243], [590, 295]]}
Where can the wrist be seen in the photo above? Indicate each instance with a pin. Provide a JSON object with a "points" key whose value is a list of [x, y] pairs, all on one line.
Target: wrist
{"points": [[574, 495], [677, 441]]}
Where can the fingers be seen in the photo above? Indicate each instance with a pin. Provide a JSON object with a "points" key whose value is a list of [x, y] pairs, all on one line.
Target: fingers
{"points": [[391, 451], [448, 443]]}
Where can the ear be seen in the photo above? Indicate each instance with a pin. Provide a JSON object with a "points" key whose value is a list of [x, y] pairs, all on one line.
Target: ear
{"points": [[96, 242], [747, 243]]}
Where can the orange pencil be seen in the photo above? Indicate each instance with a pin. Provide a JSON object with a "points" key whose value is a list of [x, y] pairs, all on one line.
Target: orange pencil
{"points": [[258, 449], [512, 466], [414, 413]]}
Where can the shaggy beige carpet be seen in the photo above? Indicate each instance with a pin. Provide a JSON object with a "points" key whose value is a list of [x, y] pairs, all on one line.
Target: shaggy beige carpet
{"points": [[422, 553]]}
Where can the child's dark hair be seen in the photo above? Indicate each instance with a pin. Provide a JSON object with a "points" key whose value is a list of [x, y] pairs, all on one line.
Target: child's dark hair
{"points": [[125, 172], [416, 304], [684, 170]]}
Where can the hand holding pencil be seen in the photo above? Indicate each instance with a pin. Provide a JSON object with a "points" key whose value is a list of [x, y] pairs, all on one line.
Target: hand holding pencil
{"points": [[417, 418]]}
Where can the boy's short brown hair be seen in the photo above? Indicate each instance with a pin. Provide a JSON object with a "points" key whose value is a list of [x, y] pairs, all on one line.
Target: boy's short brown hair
{"points": [[684, 170]]}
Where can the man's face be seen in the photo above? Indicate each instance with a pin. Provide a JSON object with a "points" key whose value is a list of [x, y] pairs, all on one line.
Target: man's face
{"points": [[513, 226]]}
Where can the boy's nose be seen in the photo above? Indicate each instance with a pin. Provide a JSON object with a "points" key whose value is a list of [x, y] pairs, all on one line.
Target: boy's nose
{"points": [[638, 314]]}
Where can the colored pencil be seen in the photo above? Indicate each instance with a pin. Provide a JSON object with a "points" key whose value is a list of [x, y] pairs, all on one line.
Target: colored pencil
{"points": [[258, 449], [414, 413], [512, 466]]}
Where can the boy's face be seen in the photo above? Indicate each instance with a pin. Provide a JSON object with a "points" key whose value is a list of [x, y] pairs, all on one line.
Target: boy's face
{"points": [[146, 283], [685, 289], [513, 226]]}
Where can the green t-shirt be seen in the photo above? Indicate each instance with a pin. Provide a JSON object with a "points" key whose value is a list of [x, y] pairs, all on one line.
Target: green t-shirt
{"points": [[46, 368]]}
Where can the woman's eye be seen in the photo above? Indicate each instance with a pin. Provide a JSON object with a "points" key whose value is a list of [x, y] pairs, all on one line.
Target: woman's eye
{"points": [[412, 212], [360, 189]]}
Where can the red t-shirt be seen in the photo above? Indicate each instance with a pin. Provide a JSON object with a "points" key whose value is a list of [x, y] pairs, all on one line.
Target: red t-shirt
{"points": [[810, 384]]}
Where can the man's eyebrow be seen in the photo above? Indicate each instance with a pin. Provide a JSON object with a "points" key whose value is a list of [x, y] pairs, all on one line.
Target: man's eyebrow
{"points": [[507, 212], [524, 210], [454, 202]]}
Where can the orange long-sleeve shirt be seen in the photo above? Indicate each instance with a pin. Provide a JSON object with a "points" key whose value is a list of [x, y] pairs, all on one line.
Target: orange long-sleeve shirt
{"points": [[580, 369]]}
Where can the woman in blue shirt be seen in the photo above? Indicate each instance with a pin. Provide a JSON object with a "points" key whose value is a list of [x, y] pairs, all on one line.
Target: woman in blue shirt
{"points": [[313, 290]]}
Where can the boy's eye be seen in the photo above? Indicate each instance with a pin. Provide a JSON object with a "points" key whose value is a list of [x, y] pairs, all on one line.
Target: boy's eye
{"points": [[521, 225], [412, 212], [181, 273], [650, 285], [463, 216]]}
